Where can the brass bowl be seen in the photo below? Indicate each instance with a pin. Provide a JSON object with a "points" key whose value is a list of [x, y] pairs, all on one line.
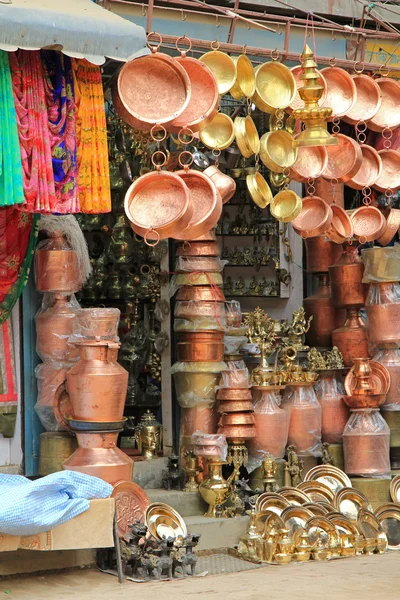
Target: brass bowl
{"points": [[341, 92], [314, 219], [259, 190], [388, 114], [275, 87], [369, 171], [392, 216], [298, 102], [364, 401], [219, 134], [286, 206], [283, 559], [223, 67], [245, 84], [163, 521], [390, 176], [368, 99], [311, 162], [246, 135], [277, 151], [341, 227], [368, 224]]}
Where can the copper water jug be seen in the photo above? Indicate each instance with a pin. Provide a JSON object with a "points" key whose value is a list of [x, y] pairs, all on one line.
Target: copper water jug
{"points": [[97, 384], [346, 278], [320, 306], [57, 266], [99, 456], [321, 253], [335, 413], [54, 326], [383, 312], [351, 338]]}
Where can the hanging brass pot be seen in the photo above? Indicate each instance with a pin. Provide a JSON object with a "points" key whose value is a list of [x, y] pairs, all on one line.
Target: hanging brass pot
{"points": [[275, 87], [286, 206], [219, 134], [222, 66], [246, 135], [259, 190], [277, 151], [245, 84]]}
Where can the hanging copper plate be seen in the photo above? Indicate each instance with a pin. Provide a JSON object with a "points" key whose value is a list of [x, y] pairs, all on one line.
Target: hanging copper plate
{"points": [[341, 227], [275, 87], [246, 136], [154, 89], [311, 163], [369, 171], [388, 114], [131, 502], [245, 84], [223, 67], [317, 491], [286, 206], [392, 216], [380, 379], [341, 91], [344, 159], [158, 205], [368, 223], [368, 99], [204, 99], [259, 190], [314, 219], [298, 102], [329, 475], [349, 501], [224, 184], [390, 176], [206, 201], [219, 133], [277, 151]]}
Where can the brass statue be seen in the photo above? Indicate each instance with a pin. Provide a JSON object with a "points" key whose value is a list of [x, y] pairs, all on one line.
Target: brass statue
{"points": [[293, 333], [316, 361], [261, 330], [269, 467], [148, 436], [293, 468], [326, 455], [334, 359]]}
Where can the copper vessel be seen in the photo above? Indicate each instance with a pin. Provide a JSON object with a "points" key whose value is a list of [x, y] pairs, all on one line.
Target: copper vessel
{"points": [[227, 419], [334, 411], [392, 216], [311, 163], [320, 306], [54, 326], [367, 377], [197, 249], [305, 420], [200, 293], [212, 279], [369, 171], [202, 264], [341, 91], [364, 401], [366, 444], [206, 201], [272, 427], [368, 223], [231, 394], [314, 219], [383, 318], [210, 236], [351, 338], [368, 99], [99, 456], [97, 323], [233, 406], [198, 418], [207, 346], [387, 115], [344, 159], [331, 193], [389, 357], [57, 270], [341, 227], [96, 385], [123, 113], [224, 184], [346, 278], [198, 310], [237, 433], [390, 176], [321, 253], [235, 379]]}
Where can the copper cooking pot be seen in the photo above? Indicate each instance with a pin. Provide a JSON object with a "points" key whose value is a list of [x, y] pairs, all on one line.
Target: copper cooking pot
{"points": [[97, 323], [311, 163], [224, 184], [57, 270], [234, 394], [158, 205], [388, 114], [321, 253], [206, 346], [297, 71], [392, 216], [96, 386], [368, 99], [351, 338], [390, 175], [320, 306], [236, 419], [346, 278], [154, 89], [341, 227], [341, 91], [314, 219], [344, 159], [198, 310], [200, 293], [54, 326], [383, 318], [330, 193], [99, 456], [207, 204], [369, 171], [197, 249], [368, 223], [123, 113]]}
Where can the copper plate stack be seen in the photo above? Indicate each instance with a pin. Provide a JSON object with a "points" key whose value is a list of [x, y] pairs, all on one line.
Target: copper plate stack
{"points": [[236, 422]]}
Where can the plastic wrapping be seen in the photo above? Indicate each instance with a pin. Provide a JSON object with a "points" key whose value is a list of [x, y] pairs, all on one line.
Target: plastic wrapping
{"points": [[195, 383], [210, 445], [54, 326], [234, 378], [305, 419], [387, 294], [194, 264], [57, 266], [335, 413], [383, 311], [202, 278], [272, 426], [366, 441], [381, 264], [233, 344], [49, 377], [201, 324], [390, 358], [233, 313], [96, 324]]}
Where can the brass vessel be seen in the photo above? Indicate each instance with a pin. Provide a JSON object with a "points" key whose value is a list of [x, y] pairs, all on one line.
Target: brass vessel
{"points": [[55, 447], [215, 490]]}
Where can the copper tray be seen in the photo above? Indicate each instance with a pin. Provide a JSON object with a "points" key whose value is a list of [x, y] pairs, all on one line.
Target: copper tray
{"points": [[369, 171], [314, 219], [344, 159], [390, 176], [341, 91], [154, 88], [131, 503], [368, 99], [298, 102], [380, 379], [368, 223], [311, 162], [388, 114]]}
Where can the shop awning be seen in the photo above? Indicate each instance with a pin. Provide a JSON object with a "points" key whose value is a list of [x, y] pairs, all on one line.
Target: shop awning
{"points": [[80, 28]]}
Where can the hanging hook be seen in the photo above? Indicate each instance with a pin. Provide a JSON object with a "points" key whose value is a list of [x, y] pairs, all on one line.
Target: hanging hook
{"points": [[183, 15], [144, 11], [217, 23], [333, 35]]}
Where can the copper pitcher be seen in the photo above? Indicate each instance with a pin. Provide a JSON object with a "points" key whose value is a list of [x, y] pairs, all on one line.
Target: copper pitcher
{"points": [[96, 385], [57, 266], [351, 338], [346, 278], [54, 325]]}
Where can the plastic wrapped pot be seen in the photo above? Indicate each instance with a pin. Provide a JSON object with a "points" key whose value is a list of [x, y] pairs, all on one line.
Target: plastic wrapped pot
{"points": [[366, 440]]}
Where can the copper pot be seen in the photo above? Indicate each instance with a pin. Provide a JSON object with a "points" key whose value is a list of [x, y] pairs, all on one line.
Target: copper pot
{"points": [[203, 264], [364, 400], [233, 406], [368, 223], [210, 236], [341, 227], [238, 433], [346, 278], [341, 91], [198, 310], [305, 427], [369, 171], [97, 323], [321, 253], [351, 338], [392, 216], [390, 176], [200, 293], [54, 326], [390, 358], [198, 249], [344, 159], [236, 419], [99, 456], [387, 115], [384, 318], [224, 184], [199, 418], [196, 346], [314, 219], [320, 306], [334, 411], [96, 385], [232, 394], [311, 163], [57, 270], [368, 99], [331, 193]]}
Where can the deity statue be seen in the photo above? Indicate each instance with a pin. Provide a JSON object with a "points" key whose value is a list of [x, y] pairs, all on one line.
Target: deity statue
{"points": [[293, 466], [239, 287], [148, 436], [316, 361], [326, 455], [269, 467], [334, 359], [294, 332], [261, 330]]}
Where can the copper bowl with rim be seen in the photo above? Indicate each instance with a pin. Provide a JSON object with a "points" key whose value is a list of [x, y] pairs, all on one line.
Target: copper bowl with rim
{"points": [[200, 293], [224, 184], [364, 401], [388, 114], [197, 249], [234, 394], [200, 346], [311, 163], [192, 310], [341, 91], [275, 87], [246, 135], [392, 216], [344, 159], [314, 219], [277, 151], [238, 433], [390, 176], [368, 99], [232, 406], [245, 84], [341, 227], [236, 419], [368, 223], [369, 171], [298, 102], [219, 133], [259, 190], [286, 206]]}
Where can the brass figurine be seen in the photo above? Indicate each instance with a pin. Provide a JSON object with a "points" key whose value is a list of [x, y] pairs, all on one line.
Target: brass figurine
{"points": [[269, 467], [148, 436], [293, 468], [326, 456]]}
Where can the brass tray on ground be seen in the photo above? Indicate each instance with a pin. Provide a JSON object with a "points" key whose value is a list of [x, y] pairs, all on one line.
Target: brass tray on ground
{"points": [[343, 524], [349, 502], [318, 509], [389, 521], [163, 521], [295, 518], [276, 505], [331, 476], [267, 518], [317, 491], [371, 527], [395, 489], [322, 527], [383, 507]]}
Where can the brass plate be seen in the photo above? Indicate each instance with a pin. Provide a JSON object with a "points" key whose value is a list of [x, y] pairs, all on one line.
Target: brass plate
{"points": [[295, 518], [131, 503], [321, 526], [265, 495], [295, 496], [317, 491], [390, 525], [327, 506], [317, 509], [371, 527], [277, 505], [395, 489], [163, 521], [331, 476], [267, 518], [383, 507], [343, 524], [349, 502]]}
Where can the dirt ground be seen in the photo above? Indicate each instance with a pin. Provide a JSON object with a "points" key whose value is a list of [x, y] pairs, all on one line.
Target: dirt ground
{"points": [[374, 577]]}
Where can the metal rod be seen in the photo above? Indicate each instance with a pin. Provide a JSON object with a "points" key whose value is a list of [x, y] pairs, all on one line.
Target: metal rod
{"points": [[149, 16], [233, 24], [118, 550]]}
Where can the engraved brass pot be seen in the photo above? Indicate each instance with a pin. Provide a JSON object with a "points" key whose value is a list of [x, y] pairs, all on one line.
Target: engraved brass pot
{"points": [[245, 84], [286, 206], [223, 67], [259, 190], [246, 135], [219, 134]]}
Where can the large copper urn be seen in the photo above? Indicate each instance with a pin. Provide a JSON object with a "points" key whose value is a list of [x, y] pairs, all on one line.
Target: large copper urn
{"points": [[57, 266], [321, 253], [346, 279], [325, 316], [335, 413], [351, 338]]}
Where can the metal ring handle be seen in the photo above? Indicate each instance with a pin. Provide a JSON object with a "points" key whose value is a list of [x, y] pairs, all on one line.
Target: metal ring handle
{"points": [[161, 164], [358, 67], [149, 45], [181, 50], [188, 132], [215, 45], [146, 239], [274, 54], [154, 129], [186, 165]]}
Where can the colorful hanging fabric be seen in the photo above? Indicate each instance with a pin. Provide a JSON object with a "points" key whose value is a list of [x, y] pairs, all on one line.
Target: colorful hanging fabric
{"points": [[8, 386], [18, 236], [92, 148], [58, 85], [33, 128], [11, 190]]}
